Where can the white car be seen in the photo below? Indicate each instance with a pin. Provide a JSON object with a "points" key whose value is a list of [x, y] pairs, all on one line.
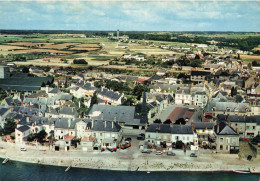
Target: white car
{"points": [[23, 149], [158, 153]]}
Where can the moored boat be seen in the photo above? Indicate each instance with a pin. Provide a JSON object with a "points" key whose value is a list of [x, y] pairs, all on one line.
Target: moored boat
{"points": [[242, 171], [67, 169], [5, 161]]}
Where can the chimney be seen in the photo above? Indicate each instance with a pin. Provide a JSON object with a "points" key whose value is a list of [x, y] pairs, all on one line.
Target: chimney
{"points": [[27, 119], [92, 123], [112, 124], [69, 123], [193, 127], [237, 131], [180, 85], [47, 89], [39, 106], [218, 128], [229, 123], [30, 108], [105, 124], [171, 125]]}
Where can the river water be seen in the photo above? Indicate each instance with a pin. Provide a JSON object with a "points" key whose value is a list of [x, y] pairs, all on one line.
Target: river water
{"points": [[18, 171]]}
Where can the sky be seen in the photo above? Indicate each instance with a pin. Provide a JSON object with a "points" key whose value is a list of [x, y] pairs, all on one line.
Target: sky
{"points": [[131, 15]]}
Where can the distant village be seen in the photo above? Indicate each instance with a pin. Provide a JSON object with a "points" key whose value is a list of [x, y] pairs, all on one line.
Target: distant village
{"points": [[215, 107]]}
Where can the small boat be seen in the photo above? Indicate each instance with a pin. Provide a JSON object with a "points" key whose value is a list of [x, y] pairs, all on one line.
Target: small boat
{"points": [[5, 161], [254, 170], [242, 171], [147, 172], [67, 169]]}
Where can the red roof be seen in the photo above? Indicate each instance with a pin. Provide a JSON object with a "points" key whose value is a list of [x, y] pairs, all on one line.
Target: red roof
{"points": [[141, 79]]}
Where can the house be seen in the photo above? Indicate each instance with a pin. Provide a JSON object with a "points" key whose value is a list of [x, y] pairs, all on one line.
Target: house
{"points": [[107, 134], [247, 126], [170, 58], [199, 99], [199, 76], [204, 132], [183, 96], [64, 127], [166, 134], [68, 112], [110, 97], [161, 72], [21, 133], [3, 113], [227, 139], [124, 115], [227, 108]]}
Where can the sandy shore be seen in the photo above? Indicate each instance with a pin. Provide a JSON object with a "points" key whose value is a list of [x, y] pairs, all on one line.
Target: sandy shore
{"points": [[129, 160]]}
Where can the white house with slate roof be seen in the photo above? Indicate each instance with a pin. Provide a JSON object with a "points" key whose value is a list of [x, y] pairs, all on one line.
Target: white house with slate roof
{"points": [[157, 134], [124, 115], [110, 97], [228, 108], [106, 133], [21, 133]]}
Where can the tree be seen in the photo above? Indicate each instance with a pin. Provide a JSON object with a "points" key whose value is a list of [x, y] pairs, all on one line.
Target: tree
{"points": [[139, 89], [80, 61], [41, 135], [3, 94], [157, 121], [25, 70], [94, 100], [233, 91], [180, 121], [9, 126]]}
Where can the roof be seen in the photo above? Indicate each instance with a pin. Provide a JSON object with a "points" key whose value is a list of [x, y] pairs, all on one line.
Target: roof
{"points": [[24, 83], [171, 129], [103, 125], [225, 129], [3, 111], [23, 128], [54, 90], [110, 94], [68, 111], [203, 125], [125, 114], [199, 73]]}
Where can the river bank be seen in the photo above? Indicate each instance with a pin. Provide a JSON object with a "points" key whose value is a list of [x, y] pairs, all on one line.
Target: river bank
{"points": [[127, 160]]}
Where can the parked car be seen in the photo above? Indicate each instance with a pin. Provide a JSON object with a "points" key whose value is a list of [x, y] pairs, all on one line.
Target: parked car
{"points": [[111, 149], [170, 153], [193, 155], [125, 145], [141, 137], [158, 153], [23, 149], [146, 151]]}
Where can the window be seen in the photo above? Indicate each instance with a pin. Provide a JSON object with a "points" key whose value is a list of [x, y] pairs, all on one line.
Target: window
{"points": [[188, 138], [253, 127], [183, 138], [227, 147], [221, 140], [221, 147], [94, 134], [228, 140], [100, 134], [247, 127], [148, 136]]}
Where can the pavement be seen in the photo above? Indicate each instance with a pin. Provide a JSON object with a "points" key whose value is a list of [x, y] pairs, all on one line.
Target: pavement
{"points": [[129, 159]]}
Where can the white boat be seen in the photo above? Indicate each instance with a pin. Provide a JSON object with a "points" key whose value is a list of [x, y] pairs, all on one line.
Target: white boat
{"points": [[242, 171], [67, 169], [5, 161], [255, 170], [147, 172]]}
